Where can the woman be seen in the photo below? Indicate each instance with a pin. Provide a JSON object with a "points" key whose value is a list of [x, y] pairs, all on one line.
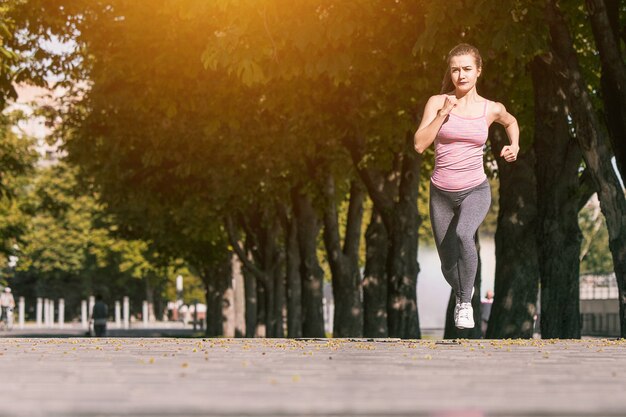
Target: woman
{"points": [[457, 121]]}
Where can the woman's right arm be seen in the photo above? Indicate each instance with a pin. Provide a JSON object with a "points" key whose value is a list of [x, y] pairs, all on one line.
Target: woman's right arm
{"points": [[435, 112]]}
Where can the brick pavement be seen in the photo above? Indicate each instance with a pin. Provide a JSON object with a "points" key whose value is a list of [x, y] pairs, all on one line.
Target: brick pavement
{"points": [[334, 377]]}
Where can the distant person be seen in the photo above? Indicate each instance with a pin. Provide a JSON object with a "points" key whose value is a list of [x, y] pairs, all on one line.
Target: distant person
{"points": [[457, 122], [7, 303], [485, 310], [99, 315]]}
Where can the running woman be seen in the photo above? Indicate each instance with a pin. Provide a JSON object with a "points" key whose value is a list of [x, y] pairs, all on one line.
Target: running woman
{"points": [[457, 121]]}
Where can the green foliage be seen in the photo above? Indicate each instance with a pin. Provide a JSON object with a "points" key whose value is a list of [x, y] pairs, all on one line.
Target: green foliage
{"points": [[198, 109], [42, 28], [71, 248], [8, 59], [16, 162]]}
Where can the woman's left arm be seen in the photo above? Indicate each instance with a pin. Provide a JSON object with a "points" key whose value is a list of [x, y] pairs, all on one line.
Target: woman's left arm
{"points": [[506, 119]]}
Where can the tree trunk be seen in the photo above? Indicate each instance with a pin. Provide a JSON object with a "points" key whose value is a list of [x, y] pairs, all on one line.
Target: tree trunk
{"points": [[344, 263], [250, 284], [149, 296], [402, 316], [517, 268], [228, 300], [228, 312], [375, 278], [261, 324], [213, 310], [160, 304], [450, 330], [402, 221], [279, 303], [558, 234], [270, 307], [613, 78], [294, 284], [263, 227], [253, 275], [312, 275], [593, 145], [214, 278], [239, 296]]}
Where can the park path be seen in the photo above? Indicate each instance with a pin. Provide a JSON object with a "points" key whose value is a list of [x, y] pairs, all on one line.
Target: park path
{"points": [[318, 377]]}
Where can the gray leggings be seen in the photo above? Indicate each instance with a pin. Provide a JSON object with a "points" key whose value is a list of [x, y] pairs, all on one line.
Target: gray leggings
{"points": [[455, 218]]}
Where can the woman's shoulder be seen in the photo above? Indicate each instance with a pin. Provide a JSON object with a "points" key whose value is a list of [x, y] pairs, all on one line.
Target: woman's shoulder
{"points": [[493, 106], [437, 99]]}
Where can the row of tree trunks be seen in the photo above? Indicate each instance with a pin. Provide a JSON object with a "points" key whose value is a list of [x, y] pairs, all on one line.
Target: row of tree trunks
{"points": [[389, 300], [558, 234], [389, 297], [262, 245], [266, 252], [304, 279], [397, 207], [593, 144]]}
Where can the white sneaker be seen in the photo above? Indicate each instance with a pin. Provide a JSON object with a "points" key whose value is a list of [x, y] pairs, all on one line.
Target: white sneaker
{"points": [[457, 307], [465, 319]]}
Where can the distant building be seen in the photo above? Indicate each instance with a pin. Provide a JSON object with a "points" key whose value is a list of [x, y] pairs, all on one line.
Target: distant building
{"points": [[599, 305], [34, 126]]}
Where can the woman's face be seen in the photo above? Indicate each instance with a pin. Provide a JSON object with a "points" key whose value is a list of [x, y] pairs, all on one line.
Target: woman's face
{"points": [[464, 72]]}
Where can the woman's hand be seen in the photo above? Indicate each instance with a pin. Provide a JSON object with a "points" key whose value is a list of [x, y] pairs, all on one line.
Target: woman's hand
{"points": [[448, 105], [437, 109], [509, 153], [506, 119]]}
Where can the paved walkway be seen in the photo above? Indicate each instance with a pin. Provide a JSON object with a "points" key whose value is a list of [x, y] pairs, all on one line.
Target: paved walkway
{"points": [[74, 329], [334, 377]]}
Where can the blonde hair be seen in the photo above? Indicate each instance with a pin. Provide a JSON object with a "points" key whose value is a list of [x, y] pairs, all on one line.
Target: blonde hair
{"points": [[460, 49]]}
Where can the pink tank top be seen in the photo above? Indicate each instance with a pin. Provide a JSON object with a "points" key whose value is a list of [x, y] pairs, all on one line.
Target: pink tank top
{"points": [[459, 152]]}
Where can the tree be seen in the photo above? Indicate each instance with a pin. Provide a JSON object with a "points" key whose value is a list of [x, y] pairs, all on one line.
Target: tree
{"points": [[337, 45], [70, 248], [344, 260], [558, 237], [593, 144]]}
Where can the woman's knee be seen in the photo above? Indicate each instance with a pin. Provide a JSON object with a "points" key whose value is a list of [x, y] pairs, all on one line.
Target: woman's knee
{"points": [[465, 238]]}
